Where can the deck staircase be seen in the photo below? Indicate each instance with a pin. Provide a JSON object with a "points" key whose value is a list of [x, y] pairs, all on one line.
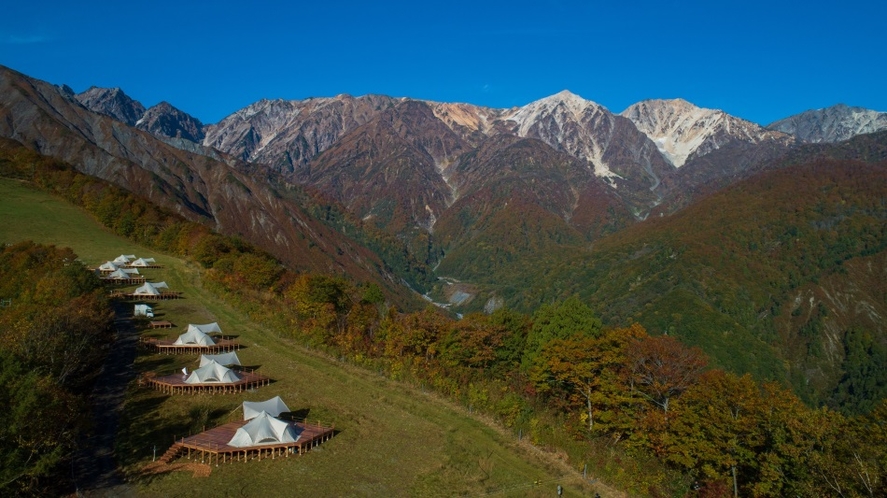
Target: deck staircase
{"points": [[171, 453]]}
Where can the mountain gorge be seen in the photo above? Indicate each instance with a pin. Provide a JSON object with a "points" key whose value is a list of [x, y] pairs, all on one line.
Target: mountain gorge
{"points": [[690, 221]]}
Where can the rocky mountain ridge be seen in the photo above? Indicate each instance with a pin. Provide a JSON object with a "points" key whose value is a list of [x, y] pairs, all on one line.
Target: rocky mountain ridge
{"points": [[831, 124], [638, 152], [112, 102], [407, 166], [204, 185], [683, 131], [294, 131], [436, 175], [164, 120]]}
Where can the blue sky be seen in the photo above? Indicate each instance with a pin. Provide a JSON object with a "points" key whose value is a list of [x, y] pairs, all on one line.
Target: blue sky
{"points": [[760, 60]]}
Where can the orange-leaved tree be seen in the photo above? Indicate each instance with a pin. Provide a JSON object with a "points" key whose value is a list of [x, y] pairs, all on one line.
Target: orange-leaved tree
{"points": [[588, 369]]}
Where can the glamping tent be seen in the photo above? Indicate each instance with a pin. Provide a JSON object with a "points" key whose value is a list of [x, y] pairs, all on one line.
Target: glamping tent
{"points": [[143, 310], [142, 262], [226, 359], [213, 373], [124, 259], [118, 274], [206, 328], [274, 407], [264, 429], [149, 289], [122, 274], [194, 337], [108, 266]]}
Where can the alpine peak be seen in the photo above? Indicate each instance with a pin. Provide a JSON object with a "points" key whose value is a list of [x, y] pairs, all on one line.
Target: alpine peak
{"points": [[682, 130]]}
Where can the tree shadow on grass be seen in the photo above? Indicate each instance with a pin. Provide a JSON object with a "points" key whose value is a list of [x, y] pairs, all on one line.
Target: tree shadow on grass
{"points": [[299, 415], [157, 364]]}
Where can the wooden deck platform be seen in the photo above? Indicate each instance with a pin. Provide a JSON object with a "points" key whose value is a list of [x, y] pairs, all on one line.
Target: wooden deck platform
{"points": [[212, 445], [175, 383], [167, 346], [142, 267], [160, 324], [159, 297], [124, 281]]}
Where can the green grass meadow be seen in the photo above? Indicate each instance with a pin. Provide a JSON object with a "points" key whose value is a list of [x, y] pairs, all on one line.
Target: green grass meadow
{"points": [[394, 440]]}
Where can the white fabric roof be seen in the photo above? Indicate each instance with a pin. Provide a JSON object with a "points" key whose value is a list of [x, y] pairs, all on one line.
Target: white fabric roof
{"points": [[142, 262], [119, 273], [264, 429], [213, 373], [131, 271], [108, 266], [195, 337], [274, 407], [226, 359], [124, 258], [206, 328], [149, 289]]}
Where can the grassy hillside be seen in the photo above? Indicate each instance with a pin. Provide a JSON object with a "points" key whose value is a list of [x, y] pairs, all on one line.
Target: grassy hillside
{"points": [[394, 441]]}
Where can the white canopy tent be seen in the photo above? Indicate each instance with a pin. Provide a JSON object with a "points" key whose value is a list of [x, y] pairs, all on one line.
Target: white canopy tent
{"points": [[124, 259], [194, 337], [122, 273], [108, 266], [264, 429], [142, 262], [206, 328], [213, 373], [274, 407], [226, 359], [118, 274], [149, 289]]}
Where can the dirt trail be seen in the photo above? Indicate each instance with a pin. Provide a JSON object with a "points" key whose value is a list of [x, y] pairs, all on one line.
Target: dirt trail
{"points": [[94, 470]]}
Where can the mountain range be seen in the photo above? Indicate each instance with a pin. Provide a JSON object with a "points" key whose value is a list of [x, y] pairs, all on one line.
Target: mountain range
{"points": [[479, 207]]}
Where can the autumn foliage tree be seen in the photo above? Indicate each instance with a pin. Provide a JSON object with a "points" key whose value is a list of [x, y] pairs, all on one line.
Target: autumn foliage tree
{"points": [[53, 326], [716, 429], [662, 368], [590, 370]]}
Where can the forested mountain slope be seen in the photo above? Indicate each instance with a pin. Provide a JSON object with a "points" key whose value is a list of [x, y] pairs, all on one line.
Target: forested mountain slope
{"points": [[782, 266]]}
